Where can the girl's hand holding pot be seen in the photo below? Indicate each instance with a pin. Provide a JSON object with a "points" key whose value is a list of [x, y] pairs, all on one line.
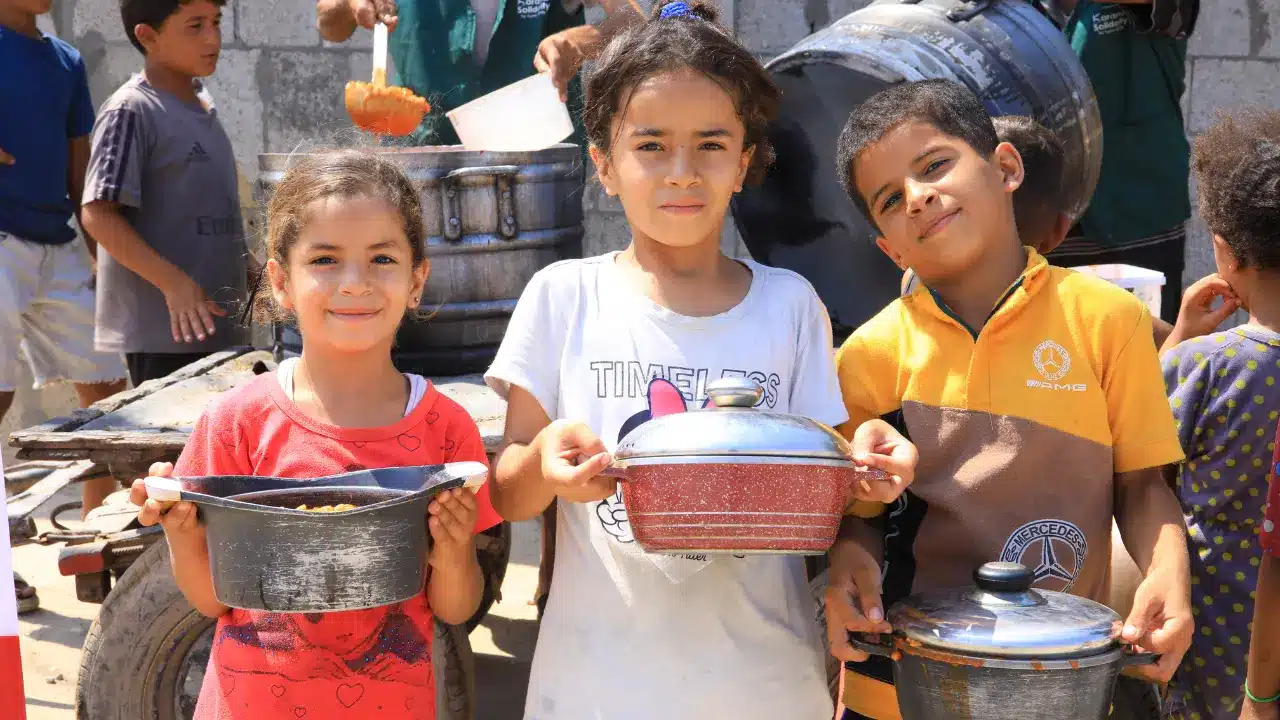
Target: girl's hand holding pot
{"points": [[179, 520], [573, 460], [451, 517], [852, 598]]}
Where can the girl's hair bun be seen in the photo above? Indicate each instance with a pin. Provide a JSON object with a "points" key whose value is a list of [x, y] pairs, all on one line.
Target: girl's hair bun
{"points": [[697, 8]]}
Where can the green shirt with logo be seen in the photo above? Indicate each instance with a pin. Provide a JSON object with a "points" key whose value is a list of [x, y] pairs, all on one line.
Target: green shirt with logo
{"points": [[1138, 77], [432, 49]]}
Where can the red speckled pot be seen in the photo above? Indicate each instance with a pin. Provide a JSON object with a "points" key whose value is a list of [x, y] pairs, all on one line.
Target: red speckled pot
{"points": [[731, 479]]}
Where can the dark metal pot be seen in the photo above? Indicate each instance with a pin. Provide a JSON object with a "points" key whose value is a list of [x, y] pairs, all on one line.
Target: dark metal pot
{"points": [[732, 479], [265, 554], [1003, 651]]}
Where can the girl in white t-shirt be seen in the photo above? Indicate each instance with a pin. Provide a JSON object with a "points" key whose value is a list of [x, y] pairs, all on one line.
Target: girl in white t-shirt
{"points": [[677, 113]]}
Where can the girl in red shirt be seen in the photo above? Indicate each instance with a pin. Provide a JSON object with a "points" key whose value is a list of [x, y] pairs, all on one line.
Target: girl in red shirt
{"points": [[346, 261]]}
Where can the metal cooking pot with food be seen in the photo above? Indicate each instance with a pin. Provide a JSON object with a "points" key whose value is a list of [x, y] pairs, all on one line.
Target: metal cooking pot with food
{"points": [[1003, 651], [732, 479], [361, 542]]}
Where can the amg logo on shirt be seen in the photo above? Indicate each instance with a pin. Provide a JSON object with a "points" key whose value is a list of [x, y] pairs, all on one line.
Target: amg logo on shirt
{"points": [[630, 379], [1069, 387]]}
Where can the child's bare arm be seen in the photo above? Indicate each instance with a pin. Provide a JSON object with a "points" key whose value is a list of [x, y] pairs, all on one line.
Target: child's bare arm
{"points": [[1161, 331], [188, 550], [456, 583], [1153, 529], [1264, 646], [191, 313]]}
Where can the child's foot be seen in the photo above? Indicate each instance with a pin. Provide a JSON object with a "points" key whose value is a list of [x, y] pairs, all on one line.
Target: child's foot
{"points": [[28, 600]]}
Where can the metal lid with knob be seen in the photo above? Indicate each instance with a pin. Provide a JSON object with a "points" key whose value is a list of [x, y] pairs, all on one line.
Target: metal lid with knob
{"points": [[732, 425], [1001, 615]]}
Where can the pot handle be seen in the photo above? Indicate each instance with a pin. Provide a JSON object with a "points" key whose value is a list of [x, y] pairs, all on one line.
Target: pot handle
{"points": [[503, 176], [873, 648], [1131, 659], [615, 471], [163, 489]]}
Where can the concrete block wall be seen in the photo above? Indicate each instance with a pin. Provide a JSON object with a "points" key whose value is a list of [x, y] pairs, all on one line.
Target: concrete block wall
{"points": [[279, 85]]}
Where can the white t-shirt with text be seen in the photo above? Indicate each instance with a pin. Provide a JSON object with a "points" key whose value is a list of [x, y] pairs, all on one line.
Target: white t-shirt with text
{"points": [[631, 636]]}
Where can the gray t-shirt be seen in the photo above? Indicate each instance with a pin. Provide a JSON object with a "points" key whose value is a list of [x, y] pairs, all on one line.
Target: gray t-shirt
{"points": [[169, 164]]}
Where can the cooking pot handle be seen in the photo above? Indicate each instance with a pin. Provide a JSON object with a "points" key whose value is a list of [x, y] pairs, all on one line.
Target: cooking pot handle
{"points": [[872, 648], [615, 472], [1131, 659], [503, 176]]}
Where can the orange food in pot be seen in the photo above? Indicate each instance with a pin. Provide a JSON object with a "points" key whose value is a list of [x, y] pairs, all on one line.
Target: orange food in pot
{"points": [[341, 507], [384, 110]]}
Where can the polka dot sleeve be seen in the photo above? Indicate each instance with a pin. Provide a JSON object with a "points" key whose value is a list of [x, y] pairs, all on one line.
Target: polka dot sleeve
{"points": [[1270, 535]]}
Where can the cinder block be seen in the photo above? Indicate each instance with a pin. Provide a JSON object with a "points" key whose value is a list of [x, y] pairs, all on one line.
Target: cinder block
{"points": [[771, 26], [103, 16], [839, 8], [302, 93], [1266, 24], [1225, 84], [1222, 29], [109, 66], [240, 106], [279, 22]]}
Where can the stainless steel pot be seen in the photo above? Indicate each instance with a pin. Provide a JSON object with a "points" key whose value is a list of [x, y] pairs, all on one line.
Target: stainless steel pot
{"points": [[733, 479], [1003, 651]]}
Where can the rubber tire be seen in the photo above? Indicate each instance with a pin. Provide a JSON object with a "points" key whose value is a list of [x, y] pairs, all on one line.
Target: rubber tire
{"points": [[130, 648], [493, 552]]}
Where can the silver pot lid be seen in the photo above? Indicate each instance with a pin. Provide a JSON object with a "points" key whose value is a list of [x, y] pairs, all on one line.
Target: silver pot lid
{"points": [[730, 426], [1003, 617]]}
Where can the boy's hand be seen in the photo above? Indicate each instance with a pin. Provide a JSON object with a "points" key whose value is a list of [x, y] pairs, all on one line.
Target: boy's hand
{"points": [[369, 12], [877, 445], [1160, 622], [572, 460], [179, 520], [852, 598], [191, 312], [1197, 316], [5, 158], [451, 517], [562, 54]]}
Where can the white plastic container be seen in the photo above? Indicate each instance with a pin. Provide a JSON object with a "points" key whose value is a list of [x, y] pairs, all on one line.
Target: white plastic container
{"points": [[1146, 284], [521, 117]]}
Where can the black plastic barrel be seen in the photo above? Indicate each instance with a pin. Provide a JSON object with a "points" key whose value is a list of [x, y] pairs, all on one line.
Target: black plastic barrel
{"points": [[1007, 51]]}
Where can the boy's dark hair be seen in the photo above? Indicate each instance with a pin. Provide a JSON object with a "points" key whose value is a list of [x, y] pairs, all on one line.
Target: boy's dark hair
{"points": [[694, 41], [1237, 164], [150, 12], [948, 106], [1039, 201]]}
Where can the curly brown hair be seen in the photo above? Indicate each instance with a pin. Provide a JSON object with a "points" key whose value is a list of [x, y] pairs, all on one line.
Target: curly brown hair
{"points": [[694, 41], [323, 175], [1237, 166]]}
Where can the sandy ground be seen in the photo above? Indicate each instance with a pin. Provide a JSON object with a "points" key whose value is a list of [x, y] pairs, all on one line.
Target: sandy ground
{"points": [[51, 637]]}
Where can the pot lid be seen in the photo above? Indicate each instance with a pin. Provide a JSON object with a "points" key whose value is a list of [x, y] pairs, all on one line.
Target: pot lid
{"points": [[730, 425], [1003, 617]]}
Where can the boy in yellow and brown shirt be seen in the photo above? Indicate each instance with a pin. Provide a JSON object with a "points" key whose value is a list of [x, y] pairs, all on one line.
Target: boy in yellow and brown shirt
{"points": [[1033, 394]]}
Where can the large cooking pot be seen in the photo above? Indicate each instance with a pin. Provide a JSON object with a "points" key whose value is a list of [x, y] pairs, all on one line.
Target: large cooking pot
{"points": [[492, 220], [1007, 51], [732, 479], [1003, 651], [266, 554]]}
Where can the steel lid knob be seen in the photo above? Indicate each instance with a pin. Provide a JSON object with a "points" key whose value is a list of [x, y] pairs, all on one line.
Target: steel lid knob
{"points": [[995, 577], [738, 392]]}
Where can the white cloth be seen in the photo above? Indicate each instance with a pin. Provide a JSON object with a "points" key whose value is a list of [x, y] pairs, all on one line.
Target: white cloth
{"points": [[417, 384], [631, 636], [46, 315]]}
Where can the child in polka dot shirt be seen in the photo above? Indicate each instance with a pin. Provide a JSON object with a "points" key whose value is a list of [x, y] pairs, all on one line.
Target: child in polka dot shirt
{"points": [[1225, 397]]}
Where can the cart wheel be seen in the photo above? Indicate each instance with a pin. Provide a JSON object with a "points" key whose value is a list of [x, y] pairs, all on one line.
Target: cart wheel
{"points": [[817, 572], [455, 669], [146, 652], [493, 550]]}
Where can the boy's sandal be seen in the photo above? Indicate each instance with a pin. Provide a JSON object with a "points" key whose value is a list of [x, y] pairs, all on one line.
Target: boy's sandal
{"points": [[28, 600]]}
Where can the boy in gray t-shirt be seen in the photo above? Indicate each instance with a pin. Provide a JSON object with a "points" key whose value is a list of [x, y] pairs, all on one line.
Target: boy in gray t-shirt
{"points": [[162, 200]]}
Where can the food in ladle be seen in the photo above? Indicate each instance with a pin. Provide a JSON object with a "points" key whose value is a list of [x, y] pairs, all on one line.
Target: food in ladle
{"points": [[340, 507], [384, 110]]}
